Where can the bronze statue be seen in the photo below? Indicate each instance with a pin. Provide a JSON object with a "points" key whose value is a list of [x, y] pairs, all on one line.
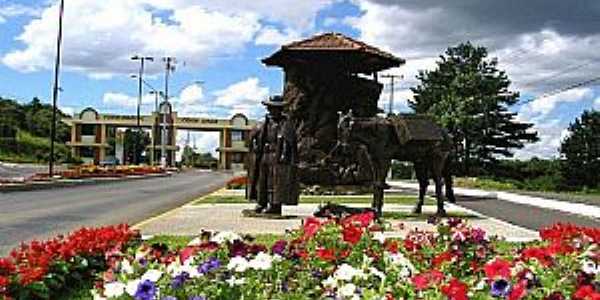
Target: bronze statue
{"points": [[325, 75], [273, 160]]}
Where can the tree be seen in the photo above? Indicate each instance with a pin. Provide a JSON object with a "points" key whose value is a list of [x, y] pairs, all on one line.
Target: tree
{"points": [[470, 97], [134, 144], [580, 152]]}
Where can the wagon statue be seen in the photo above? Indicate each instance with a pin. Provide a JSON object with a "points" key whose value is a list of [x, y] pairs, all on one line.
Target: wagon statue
{"points": [[341, 139]]}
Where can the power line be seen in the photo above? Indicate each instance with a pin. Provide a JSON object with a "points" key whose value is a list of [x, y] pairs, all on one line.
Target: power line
{"points": [[559, 73], [562, 90]]}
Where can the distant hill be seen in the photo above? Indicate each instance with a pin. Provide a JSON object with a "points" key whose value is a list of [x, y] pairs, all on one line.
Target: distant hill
{"points": [[25, 132]]}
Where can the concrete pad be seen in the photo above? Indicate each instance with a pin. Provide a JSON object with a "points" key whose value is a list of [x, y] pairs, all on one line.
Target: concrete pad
{"points": [[191, 219]]}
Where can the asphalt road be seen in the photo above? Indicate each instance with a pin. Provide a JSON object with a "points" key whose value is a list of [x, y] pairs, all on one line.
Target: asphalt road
{"points": [[41, 214], [530, 217], [9, 170]]}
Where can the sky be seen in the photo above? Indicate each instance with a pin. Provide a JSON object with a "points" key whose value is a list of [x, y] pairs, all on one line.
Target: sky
{"points": [[543, 45]]}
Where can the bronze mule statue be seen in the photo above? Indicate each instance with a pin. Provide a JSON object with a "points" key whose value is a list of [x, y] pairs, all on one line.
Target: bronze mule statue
{"points": [[381, 139]]}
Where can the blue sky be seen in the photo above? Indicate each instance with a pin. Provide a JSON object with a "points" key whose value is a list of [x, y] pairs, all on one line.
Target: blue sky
{"points": [[543, 46]]}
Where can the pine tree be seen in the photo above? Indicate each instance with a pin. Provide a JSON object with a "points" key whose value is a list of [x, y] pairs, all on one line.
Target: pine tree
{"points": [[470, 97], [581, 152]]}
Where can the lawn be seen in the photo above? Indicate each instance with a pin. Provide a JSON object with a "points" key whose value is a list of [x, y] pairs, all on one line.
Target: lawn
{"points": [[389, 199]]}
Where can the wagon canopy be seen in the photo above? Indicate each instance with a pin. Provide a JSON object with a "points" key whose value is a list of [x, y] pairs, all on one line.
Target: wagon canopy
{"points": [[414, 127], [334, 51]]}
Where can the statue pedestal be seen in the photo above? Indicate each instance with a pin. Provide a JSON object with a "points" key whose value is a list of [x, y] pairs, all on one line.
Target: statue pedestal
{"points": [[250, 213]]}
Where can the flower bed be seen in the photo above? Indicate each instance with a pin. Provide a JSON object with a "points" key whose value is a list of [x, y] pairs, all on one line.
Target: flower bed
{"points": [[42, 270], [237, 183], [352, 259]]}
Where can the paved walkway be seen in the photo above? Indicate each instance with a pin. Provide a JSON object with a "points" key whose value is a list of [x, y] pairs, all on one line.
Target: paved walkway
{"points": [[191, 219], [525, 211]]}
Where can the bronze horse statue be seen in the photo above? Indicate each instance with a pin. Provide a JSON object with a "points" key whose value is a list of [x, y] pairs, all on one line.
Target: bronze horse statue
{"points": [[379, 139]]}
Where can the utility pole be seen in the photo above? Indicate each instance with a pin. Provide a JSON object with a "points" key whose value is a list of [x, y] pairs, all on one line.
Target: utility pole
{"points": [[392, 78], [61, 10], [170, 67], [140, 76]]}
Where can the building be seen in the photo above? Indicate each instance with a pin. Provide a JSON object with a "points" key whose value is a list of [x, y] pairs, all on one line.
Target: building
{"points": [[94, 136]]}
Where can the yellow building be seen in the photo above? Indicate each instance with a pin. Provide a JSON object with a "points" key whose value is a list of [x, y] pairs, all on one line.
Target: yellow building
{"points": [[91, 132]]}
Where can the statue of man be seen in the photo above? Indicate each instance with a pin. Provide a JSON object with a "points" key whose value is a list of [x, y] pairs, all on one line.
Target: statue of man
{"points": [[273, 155]]}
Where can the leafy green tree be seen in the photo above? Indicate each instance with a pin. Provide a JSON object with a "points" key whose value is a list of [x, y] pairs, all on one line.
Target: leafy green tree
{"points": [[134, 144], [581, 152], [469, 96], [12, 116]]}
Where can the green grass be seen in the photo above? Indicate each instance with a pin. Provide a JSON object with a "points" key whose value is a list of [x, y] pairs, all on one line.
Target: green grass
{"points": [[389, 199], [409, 216], [175, 242]]}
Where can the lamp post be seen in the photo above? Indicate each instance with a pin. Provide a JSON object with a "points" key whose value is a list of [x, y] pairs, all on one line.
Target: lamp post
{"points": [[142, 59], [61, 10]]}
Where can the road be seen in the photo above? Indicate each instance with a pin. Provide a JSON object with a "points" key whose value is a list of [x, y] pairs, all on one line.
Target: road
{"points": [[41, 214], [15, 171], [528, 216]]}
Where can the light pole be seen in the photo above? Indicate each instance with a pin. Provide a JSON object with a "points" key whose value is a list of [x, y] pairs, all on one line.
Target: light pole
{"points": [[142, 59], [61, 11], [392, 78]]}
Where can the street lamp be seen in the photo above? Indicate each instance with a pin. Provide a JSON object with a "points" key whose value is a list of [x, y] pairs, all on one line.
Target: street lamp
{"points": [[142, 59]]}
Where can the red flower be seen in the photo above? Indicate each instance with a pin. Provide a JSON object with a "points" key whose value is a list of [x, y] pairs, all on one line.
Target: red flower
{"points": [[363, 219], [539, 254], [497, 268], [519, 291], [352, 234], [426, 279], [4, 282], [187, 252], [391, 246], [311, 227], [326, 254], [455, 290], [586, 292], [441, 258]]}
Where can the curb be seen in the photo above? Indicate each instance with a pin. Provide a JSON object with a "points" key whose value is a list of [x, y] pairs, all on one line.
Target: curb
{"points": [[557, 205], [63, 183]]}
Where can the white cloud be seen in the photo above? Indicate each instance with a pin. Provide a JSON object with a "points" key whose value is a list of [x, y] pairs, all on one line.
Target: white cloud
{"points": [[272, 36], [17, 10], [540, 108], [100, 36], [120, 100], [597, 104], [243, 97]]}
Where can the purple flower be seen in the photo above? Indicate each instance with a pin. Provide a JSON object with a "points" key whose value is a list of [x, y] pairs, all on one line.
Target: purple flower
{"points": [[209, 265], [145, 291], [478, 234], [143, 262], [279, 247], [179, 280], [500, 288]]}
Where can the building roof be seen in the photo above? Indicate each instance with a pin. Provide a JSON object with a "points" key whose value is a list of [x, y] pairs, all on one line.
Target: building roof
{"points": [[337, 51]]}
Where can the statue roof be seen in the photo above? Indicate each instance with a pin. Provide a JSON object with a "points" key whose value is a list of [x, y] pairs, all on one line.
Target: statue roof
{"points": [[334, 50]]}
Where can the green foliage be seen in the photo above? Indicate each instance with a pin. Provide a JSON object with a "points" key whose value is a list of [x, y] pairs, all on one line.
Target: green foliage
{"points": [[135, 144], [469, 96], [29, 148], [581, 152]]}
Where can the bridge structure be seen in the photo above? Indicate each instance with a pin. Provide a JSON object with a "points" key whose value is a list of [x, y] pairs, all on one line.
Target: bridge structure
{"points": [[94, 136]]}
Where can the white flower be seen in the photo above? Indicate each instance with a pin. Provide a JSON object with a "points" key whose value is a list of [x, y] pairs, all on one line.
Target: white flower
{"points": [[330, 282], [589, 267], [97, 296], [238, 263], [400, 260], [346, 272], [234, 281], [132, 286], [152, 275], [126, 267], [377, 273], [347, 290], [114, 289], [225, 236], [379, 236], [197, 241], [480, 285], [262, 261]]}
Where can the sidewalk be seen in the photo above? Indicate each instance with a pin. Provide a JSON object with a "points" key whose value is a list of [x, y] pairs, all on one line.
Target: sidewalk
{"points": [[191, 219], [552, 204]]}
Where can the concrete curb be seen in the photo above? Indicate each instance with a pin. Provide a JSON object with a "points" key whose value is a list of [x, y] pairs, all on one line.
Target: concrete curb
{"points": [[563, 206], [63, 183]]}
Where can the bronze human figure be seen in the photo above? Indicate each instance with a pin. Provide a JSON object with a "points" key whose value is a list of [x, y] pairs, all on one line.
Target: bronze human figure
{"points": [[272, 179]]}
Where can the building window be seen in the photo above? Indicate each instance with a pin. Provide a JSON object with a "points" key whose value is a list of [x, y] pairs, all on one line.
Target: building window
{"points": [[88, 129], [86, 152], [237, 158], [237, 136]]}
